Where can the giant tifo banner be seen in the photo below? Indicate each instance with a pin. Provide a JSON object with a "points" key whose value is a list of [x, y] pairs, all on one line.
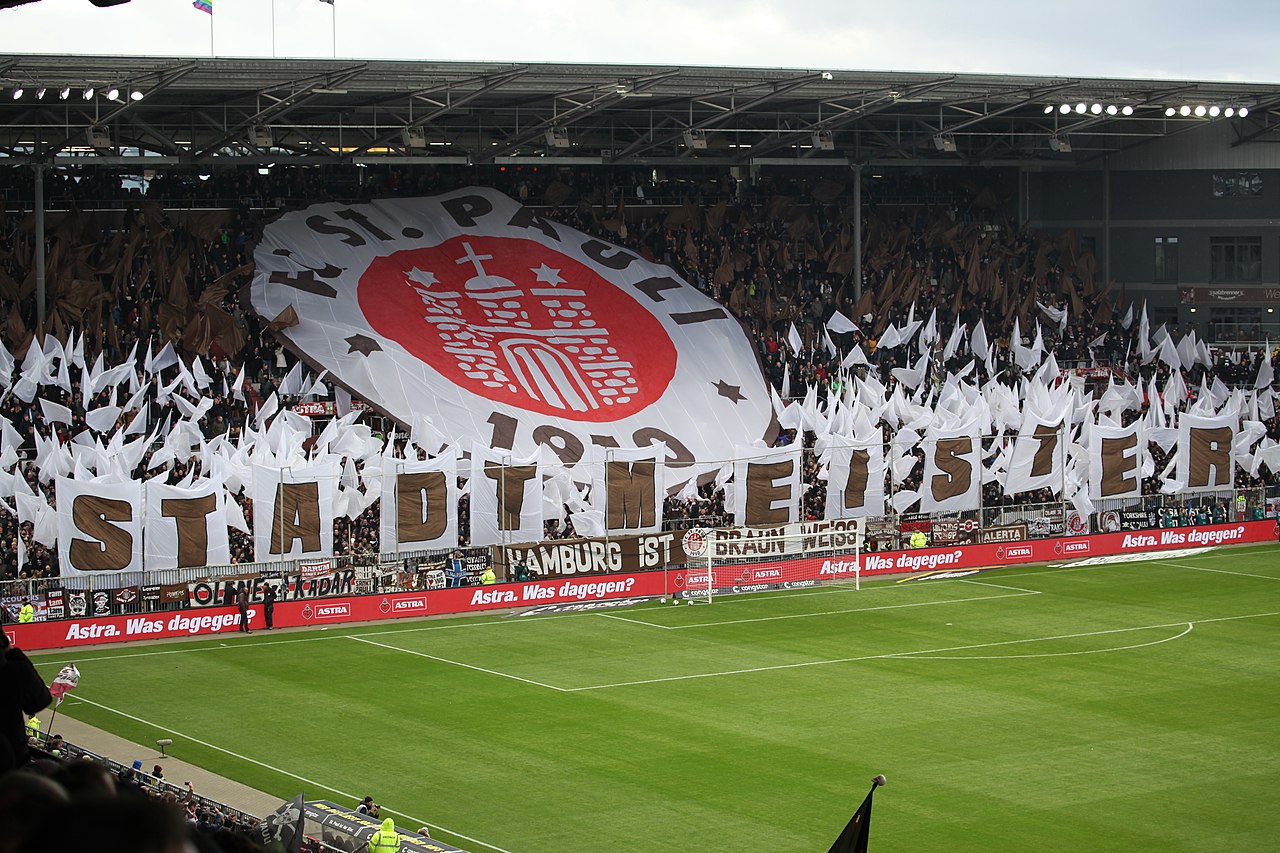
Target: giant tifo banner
{"points": [[509, 330], [335, 611]]}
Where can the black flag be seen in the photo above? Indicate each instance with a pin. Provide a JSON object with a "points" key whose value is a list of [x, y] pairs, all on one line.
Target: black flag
{"points": [[857, 833], [285, 825]]}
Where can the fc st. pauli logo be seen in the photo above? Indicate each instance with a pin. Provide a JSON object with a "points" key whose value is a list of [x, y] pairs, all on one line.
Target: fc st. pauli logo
{"points": [[523, 324]]}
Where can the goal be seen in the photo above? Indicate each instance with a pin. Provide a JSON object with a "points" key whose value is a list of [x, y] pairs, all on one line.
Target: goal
{"points": [[739, 560]]}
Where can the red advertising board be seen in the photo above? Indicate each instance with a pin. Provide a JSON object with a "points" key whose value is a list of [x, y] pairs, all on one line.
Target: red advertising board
{"points": [[332, 611], [336, 611]]}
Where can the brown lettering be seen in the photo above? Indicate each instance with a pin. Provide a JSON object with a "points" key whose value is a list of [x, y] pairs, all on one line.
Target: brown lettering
{"points": [[296, 516], [1047, 438], [762, 492], [112, 549], [511, 482], [957, 472], [421, 510], [1210, 450], [1116, 466], [855, 488], [629, 495], [190, 514]]}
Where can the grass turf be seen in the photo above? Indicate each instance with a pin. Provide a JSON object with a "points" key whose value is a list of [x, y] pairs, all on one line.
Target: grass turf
{"points": [[1086, 707]]}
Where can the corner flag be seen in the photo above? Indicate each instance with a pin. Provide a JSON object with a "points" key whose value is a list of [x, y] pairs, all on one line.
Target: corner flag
{"points": [[857, 833]]}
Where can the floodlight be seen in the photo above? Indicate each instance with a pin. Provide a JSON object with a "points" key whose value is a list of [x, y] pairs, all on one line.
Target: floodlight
{"points": [[65, 93], [88, 92], [1215, 111], [1081, 109], [1064, 109], [1229, 112], [113, 94], [1112, 109], [1243, 111], [136, 95], [1170, 112], [17, 92], [1200, 111], [1184, 110], [40, 93], [1126, 110], [1096, 109]]}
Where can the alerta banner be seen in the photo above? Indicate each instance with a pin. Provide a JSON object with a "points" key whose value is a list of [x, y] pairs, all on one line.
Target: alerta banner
{"points": [[473, 599]]}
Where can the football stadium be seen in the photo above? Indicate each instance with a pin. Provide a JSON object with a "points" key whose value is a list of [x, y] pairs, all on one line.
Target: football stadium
{"points": [[521, 457]]}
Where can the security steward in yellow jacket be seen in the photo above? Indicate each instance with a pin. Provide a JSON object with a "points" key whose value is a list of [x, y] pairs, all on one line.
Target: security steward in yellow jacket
{"points": [[26, 613], [918, 539], [488, 577], [385, 840]]}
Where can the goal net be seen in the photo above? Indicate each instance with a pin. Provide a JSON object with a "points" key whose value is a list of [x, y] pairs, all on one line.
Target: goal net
{"points": [[744, 559]]}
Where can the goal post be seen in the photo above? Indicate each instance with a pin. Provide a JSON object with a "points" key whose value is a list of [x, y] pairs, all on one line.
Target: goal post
{"points": [[738, 560]]}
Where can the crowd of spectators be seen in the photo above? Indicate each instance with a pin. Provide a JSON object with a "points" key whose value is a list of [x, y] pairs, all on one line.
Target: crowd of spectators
{"points": [[778, 252]]}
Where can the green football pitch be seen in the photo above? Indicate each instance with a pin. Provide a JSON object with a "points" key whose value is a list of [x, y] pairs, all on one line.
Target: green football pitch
{"points": [[1115, 706]]}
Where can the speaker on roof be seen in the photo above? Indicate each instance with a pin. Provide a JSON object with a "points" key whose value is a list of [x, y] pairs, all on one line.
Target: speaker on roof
{"points": [[695, 139]]}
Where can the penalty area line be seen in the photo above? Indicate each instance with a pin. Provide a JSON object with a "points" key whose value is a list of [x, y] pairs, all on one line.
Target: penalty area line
{"points": [[282, 772], [919, 652], [849, 610], [459, 663]]}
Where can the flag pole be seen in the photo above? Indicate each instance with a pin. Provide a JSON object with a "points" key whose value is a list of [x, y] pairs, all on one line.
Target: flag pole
{"points": [[333, 21], [273, 29], [54, 716], [211, 53]]}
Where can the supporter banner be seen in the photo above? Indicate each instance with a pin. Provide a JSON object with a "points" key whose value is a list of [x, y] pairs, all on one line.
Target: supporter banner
{"points": [[1039, 454], [567, 557], [628, 487], [1115, 461], [737, 542], [291, 587], [766, 489], [1050, 522], [1205, 461], [953, 531], [855, 485], [186, 527], [509, 330], [99, 526], [293, 512], [419, 506], [952, 469], [222, 620], [1007, 533], [506, 497]]}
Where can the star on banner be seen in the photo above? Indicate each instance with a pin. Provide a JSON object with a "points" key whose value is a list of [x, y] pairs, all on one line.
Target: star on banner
{"points": [[363, 344], [547, 275], [426, 279], [732, 393]]}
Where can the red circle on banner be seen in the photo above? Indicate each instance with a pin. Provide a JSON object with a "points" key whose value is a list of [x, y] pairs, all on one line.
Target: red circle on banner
{"points": [[520, 323]]}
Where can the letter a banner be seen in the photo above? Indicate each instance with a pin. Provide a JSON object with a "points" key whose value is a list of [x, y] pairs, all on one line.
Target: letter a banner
{"points": [[509, 330]]}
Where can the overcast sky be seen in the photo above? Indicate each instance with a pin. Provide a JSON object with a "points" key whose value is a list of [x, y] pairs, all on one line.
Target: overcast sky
{"points": [[1174, 39]]}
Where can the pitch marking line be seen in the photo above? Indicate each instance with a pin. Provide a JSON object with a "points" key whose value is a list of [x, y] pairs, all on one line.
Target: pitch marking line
{"points": [[275, 769], [920, 656], [847, 610], [893, 655], [634, 621], [1224, 572], [458, 663]]}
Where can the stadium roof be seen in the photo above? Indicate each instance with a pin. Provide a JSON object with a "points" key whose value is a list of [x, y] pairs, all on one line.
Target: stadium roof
{"points": [[206, 111]]}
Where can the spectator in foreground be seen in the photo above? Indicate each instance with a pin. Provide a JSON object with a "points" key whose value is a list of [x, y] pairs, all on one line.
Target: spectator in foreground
{"points": [[22, 691]]}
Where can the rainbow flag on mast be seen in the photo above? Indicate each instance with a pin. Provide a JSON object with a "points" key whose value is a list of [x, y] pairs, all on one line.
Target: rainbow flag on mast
{"points": [[204, 5]]}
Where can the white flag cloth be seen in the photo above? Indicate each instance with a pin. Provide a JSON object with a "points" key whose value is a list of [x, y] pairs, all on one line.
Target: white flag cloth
{"points": [[1039, 454], [68, 678], [293, 511], [186, 527], [855, 482], [767, 486], [1205, 460], [99, 526], [793, 340], [952, 468], [54, 412], [628, 486], [1116, 456], [419, 506], [840, 324]]}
